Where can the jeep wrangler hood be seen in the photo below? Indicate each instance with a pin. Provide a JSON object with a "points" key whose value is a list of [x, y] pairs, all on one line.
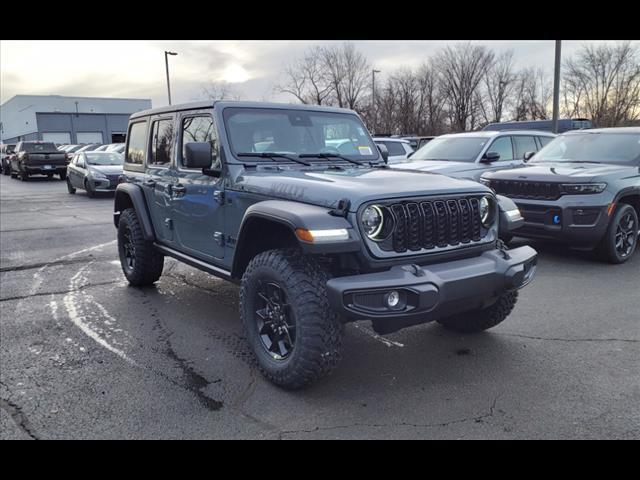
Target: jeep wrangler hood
{"points": [[564, 172], [327, 187], [442, 166]]}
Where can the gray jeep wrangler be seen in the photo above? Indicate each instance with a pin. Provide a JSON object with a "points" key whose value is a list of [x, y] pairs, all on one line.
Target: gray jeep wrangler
{"points": [[297, 205]]}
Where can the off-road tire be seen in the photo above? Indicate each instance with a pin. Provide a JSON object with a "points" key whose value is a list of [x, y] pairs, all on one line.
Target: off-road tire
{"points": [[506, 239], [319, 331], [479, 320], [91, 192], [70, 188], [606, 249], [149, 262], [63, 175]]}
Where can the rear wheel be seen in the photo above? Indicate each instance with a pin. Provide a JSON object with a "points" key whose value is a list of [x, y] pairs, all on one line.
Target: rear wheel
{"points": [[620, 241], [480, 320], [63, 175], [141, 262], [24, 175], [295, 335]]}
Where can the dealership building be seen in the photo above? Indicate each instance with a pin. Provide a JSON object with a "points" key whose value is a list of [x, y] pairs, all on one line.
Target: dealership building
{"points": [[59, 119]]}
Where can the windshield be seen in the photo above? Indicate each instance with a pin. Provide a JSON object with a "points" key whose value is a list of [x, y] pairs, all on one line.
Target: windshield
{"points": [[104, 158], [622, 148], [454, 149], [297, 132], [39, 147]]}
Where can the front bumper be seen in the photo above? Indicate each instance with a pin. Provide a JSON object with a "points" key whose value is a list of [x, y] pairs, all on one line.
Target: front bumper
{"points": [[435, 291], [576, 223], [102, 185]]}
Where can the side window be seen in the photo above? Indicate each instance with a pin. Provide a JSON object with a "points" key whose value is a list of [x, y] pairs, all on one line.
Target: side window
{"points": [[161, 142], [394, 148], [199, 129], [502, 146], [523, 145], [544, 140], [137, 143]]}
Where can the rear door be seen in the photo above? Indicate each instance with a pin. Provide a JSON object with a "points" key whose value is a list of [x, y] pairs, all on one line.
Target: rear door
{"points": [[524, 144], [197, 199], [160, 176]]}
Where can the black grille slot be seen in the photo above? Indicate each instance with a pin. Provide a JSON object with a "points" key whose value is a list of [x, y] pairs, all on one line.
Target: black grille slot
{"points": [[465, 220], [528, 190], [454, 222], [475, 219], [414, 226], [428, 225], [442, 223], [400, 232]]}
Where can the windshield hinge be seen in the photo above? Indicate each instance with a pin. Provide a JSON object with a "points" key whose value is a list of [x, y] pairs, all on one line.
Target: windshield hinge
{"points": [[342, 209]]}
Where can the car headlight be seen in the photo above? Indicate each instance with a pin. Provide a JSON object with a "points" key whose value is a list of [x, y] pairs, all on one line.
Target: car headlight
{"points": [[372, 221], [581, 188], [487, 213]]}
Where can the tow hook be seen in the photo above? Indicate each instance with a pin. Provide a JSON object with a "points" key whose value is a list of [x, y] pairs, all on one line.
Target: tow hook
{"points": [[502, 248], [414, 269]]}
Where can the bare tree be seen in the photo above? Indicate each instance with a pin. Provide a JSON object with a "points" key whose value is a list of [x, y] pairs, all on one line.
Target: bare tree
{"points": [[603, 83], [532, 95], [499, 82], [431, 101], [220, 91], [461, 69], [307, 78]]}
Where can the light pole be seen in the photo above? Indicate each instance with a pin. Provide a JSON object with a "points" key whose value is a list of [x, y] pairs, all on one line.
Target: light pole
{"points": [[373, 99], [556, 88], [166, 64]]}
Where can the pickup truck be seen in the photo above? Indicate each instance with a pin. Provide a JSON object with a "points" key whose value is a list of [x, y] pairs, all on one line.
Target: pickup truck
{"points": [[38, 158]]}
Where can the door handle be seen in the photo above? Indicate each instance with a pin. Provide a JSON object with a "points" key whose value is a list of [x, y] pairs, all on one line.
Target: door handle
{"points": [[149, 183]]}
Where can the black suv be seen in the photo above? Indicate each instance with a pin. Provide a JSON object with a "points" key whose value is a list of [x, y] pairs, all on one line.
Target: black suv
{"points": [[583, 188], [258, 194]]}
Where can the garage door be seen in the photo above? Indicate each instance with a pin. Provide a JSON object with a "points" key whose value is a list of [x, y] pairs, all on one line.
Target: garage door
{"points": [[89, 137], [56, 137]]}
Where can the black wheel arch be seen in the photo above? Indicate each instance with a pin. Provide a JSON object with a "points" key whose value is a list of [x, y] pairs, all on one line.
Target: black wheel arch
{"points": [[131, 196], [630, 196], [271, 224]]}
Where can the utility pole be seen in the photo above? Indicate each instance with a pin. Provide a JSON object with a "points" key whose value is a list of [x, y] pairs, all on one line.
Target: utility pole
{"points": [[373, 99], [166, 64], [556, 88]]}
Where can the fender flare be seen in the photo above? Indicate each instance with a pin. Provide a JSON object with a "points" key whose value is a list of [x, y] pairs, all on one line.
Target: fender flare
{"points": [[294, 215], [508, 224], [130, 194]]}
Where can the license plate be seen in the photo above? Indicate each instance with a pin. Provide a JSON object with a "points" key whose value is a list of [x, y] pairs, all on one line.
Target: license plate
{"points": [[48, 167]]}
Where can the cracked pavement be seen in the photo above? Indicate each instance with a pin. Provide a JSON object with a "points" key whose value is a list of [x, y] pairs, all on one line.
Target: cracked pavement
{"points": [[83, 355]]}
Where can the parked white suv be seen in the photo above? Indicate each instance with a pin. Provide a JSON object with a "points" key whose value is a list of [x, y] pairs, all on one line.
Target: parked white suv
{"points": [[399, 149]]}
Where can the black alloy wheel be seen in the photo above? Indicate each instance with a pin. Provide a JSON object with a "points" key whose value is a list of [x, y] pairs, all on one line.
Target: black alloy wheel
{"points": [[626, 235], [276, 327]]}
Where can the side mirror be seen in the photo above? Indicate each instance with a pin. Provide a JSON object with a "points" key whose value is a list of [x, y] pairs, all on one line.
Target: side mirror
{"points": [[528, 155], [384, 152], [490, 157], [198, 155]]}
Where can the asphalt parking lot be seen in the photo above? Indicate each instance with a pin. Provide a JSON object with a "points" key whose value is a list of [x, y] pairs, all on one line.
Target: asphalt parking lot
{"points": [[83, 355]]}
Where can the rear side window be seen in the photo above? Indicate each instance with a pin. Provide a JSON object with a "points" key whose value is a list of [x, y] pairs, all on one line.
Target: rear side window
{"points": [[523, 145], [137, 143], [394, 148], [161, 142], [502, 146]]}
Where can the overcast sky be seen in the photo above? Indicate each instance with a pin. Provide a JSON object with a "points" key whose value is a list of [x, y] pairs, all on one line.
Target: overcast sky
{"points": [[136, 69]]}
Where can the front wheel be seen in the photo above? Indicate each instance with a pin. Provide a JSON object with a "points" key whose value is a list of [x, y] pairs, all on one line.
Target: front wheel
{"points": [[141, 262], [6, 170], [63, 175], [24, 176], [88, 186], [295, 335], [70, 188], [620, 241], [479, 320]]}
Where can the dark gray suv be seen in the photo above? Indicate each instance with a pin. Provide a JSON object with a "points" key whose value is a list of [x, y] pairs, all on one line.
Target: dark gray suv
{"points": [[582, 189], [258, 194]]}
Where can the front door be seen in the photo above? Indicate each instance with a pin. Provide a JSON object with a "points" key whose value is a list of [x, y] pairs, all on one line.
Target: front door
{"points": [[197, 199], [503, 146]]}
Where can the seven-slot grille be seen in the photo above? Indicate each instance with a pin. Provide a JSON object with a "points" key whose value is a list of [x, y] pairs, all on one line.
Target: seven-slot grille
{"points": [[529, 190], [438, 223]]}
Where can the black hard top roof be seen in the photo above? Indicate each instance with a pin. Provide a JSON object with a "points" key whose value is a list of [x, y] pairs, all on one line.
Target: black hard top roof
{"points": [[233, 103]]}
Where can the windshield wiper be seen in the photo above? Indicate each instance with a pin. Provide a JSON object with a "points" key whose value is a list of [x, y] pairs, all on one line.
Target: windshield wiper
{"points": [[272, 156], [330, 156]]}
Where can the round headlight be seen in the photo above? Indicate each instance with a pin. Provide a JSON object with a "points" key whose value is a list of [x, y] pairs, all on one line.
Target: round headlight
{"points": [[372, 221], [485, 211]]}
